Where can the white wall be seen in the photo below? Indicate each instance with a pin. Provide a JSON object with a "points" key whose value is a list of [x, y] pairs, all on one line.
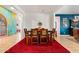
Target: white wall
{"points": [[63, 10], [20, 35], [51, 21], [57, 18], [31, 20], [68, 9]]}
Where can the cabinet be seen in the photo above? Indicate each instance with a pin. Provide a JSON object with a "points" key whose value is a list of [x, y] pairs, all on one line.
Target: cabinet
{"points": [[76, 34]]}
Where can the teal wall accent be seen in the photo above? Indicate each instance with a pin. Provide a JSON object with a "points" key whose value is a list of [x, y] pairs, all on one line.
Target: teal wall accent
{"points": [[70, 17], [11, 20]]}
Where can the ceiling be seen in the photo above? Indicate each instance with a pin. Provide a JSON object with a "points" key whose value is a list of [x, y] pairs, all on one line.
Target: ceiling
{"points": [[44, 8], [40, 8]]}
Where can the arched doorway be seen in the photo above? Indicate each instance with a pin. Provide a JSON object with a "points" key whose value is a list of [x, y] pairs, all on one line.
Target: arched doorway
{"points": [[3, 25]]}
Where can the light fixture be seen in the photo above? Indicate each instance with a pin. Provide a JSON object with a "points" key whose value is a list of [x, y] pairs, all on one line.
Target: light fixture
{"points": [[12, 8]]}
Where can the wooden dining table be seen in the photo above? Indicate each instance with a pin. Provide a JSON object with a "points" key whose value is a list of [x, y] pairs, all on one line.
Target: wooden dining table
{"points": [[29, 35]]}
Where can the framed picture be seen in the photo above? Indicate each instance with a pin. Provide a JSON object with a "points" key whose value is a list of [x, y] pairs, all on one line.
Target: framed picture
{"points": [[65, 22]]}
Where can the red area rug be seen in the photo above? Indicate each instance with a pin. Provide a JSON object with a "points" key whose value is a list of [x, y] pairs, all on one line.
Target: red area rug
{"points": [[21, 47]]}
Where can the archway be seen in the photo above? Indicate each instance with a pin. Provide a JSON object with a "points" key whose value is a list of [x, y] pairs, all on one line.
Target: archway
{"points": [[3, 25]]}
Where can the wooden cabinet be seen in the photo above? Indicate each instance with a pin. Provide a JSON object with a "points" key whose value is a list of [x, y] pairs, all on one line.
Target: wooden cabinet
{"points": [[76, 34]]}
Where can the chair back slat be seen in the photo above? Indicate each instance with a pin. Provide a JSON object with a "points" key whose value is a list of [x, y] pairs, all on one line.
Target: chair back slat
{"points": [[44, 32], [34, 32]]}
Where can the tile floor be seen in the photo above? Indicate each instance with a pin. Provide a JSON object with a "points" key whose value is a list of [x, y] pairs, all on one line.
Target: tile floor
{"points": [[71, 45], [6, 42]]}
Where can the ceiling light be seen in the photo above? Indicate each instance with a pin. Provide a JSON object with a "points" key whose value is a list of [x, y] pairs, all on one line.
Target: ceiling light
{"points": [[12, 8]]}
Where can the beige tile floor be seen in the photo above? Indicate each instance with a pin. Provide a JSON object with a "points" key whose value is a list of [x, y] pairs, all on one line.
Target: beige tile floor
{"points": [[71, 45], [8, 41]]}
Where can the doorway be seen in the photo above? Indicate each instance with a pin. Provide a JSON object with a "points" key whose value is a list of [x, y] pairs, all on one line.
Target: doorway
{"points": [[3, 25]]}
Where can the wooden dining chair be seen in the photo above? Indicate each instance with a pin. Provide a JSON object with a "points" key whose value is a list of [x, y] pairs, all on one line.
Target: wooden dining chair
{"points": [[54, 33], [26, 36], [44, 36], [34, 36]]}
